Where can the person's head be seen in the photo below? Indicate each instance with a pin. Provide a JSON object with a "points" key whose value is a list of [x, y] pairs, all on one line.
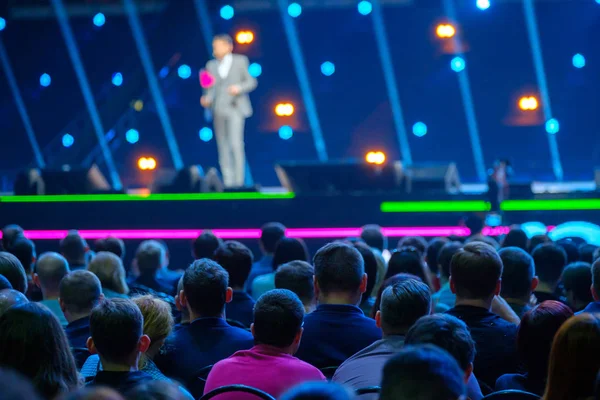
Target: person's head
{"points": [[407, 260], [204, 245], [109, 269], [74, 248], [432, 254], [422, 372], [156, 390], [112, 245], [149, 257], [387, 283], [271, 233], [4, 283], [278, 320], [475, 223], [298, 277], [13, 271], [205, 289], [536, 240], [571, 249], [117, 336], [158, 322], [414, 241], [445, 257], [222, 45], [318, 391], [373, 236], [24, 250], [516, 237], [586, 253], [33, 343], [237, 260], [94, 393], [339, 274], [51, 268], [595, 289], [10, 233], [518, 274], [185, 314], [574, 360], [289, 249], [402, 305], [577, 281], [536, 332], [79, 291], [475, 273], [9, 298], [15, 386], [550, 259], [370, 263]]}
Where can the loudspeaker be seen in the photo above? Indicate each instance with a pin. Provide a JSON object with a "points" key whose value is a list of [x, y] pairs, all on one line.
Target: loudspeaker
{"points": [[63, 181], [432, 177], [187, 180]]}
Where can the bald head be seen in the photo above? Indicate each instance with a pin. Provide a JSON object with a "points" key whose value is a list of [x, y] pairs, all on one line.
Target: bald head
{"points": [[50, 269], [10, 297], [13, 271]]}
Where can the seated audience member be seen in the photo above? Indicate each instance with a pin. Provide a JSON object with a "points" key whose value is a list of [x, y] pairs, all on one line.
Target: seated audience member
{"points": [[270, 365], [318, 391], [550, 260], [204, 246], [149, 259], [108, 267], [450, 334], [168, 273], [594, 306], [597, 254], [112, 245], [75, 249], [516, 237], [407, 260], [9, 298], [237, 260], [287, 249], [298, 276], [571, 249], [33, 343], [401, 306], [431, 258], [184, 314], [337, 329], [271, 233], [535, 241], [95, 393], [9, 234], [208, 338], [534, 340], [574, 361], [577, 281], [24, 250], [518, 279], [12, 269], [50, 270], [373, 236], [444, 299], [475, 276], [4, 283], [158, 390], [370, 262], [386, 284], [15, 386], [117, 336], [586, 253], [414, 241], [422, 372]]}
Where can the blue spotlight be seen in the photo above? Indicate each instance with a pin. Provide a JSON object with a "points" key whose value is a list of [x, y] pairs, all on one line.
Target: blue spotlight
{"points": [[99, 19], [184, 71], [365, 7], [327, 68], [205, 134], [2, 24], [483, 4], [552, 126], [132, 136], [117, 79], [294, 9], [598, 1], [164, 71], [255, 70], [578, 61], [45, 80], [457, 64], [68, 140], [286, 132], [227, 12], [419, 129], [110, 135]]}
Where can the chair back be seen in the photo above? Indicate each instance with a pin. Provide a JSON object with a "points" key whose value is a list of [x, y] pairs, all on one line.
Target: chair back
{"points": [[80, 354], [511, 395], [368, 390], [238, 388]]}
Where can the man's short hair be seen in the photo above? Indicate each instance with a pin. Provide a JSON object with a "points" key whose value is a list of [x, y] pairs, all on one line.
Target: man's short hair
{"points": [[446, 332], [205, 244], [407, 260], [237, 260], [112, 245], [338, 268], [74, 248], [289, 249], [24, 250], [536, 240], [149, 256], [577, 278], [4, 283], [224, 37], [9, 298], [80, 291], [370, 263], [518, 272], [271, 233], [422, 372], [415, 241], [475, 271], [586, 252], [116, 326], [278, 316], [445, 257], [297, 276], [402, 304], [596, 276], [432, 253], [372, 235], [516, 237], [571, 250], [9, 234], [318, 391], [550, 260], [13, 270], [205, 286], [51, 268]]}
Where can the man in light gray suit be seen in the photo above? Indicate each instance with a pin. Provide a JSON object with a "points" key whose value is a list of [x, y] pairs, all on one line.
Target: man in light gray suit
{"points": [[229, 101]]}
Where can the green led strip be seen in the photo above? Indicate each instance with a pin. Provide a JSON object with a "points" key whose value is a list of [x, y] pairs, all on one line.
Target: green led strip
{"points": [[151, 197], [434, 206], [550, 205]]}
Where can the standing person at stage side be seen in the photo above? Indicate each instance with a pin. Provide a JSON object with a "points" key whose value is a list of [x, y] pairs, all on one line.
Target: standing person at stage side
{"points": [[228, 98]]}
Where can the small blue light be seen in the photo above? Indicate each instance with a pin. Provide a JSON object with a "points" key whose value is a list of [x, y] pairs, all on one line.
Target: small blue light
{"points": [[420, 129], [286, 132], [552, 126], [227, 12], [578, 61], [45, 80], [483, 4], [117, 79], [132, 136], [99, 19], [68, 140], [598, 1], [457, 64], [164, 71], [205, 134], [365, 7], [255, 70], [327, 68], [184, 71], [294, 10], [2, 24], [110, 135]]}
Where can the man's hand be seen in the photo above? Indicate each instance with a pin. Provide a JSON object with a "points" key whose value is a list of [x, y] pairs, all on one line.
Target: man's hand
{"points": [[205, 101], [234, 90]]}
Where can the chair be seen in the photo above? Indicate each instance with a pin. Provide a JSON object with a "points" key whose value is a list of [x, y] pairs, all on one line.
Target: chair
{"points": [[203, 373], [80, 354], [237, 388], [511, 395], [368, 390], [329, 372]]}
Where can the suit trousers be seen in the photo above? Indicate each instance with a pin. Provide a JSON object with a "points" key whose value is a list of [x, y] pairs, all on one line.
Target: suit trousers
{"points": [[229, 133]]}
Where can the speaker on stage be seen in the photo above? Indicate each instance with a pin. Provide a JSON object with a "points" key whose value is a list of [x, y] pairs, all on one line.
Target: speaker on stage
{"points": [[61, 181], [432, 177], [191, 179]]}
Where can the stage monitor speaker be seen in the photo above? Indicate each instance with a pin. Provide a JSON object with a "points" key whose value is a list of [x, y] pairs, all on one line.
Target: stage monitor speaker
{"points": [[62, 181], [432, 177], [187, 180]]}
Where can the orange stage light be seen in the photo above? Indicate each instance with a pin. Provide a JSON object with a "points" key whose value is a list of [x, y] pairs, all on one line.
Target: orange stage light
{"points": [[244, 37], [528, 103], [445, 31], [284, 109], [146, 163], [375, 157]]}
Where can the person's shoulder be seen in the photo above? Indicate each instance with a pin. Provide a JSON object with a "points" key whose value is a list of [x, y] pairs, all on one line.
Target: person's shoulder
{"points": [[238, 333], [307, 369], [241, 57], [510, 381]]}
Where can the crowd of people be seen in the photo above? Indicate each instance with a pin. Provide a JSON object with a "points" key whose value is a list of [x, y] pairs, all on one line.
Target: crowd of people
{"points": [[443, 319]]}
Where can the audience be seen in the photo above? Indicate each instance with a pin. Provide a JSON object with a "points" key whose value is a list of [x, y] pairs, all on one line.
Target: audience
{"points": [[337, 329], [158, 390], [108, 267], [51, 269], [9, 298], [577, 283], [550, 259], [414, 241], [149, 259], [13, 271], [594, 306], [516, 237], [9, 234], [431, 258], [75, 249], [204, 246], [270, 365], [586, 253], [373, 237], [24, 250], [408, 260], [112, 245], [318, 391], [271, 233], [184, 317], [237, 260], [298, 276], [15, 386], [571, 249], [387, 283], [518, 279], [95, 393], [4, 283], [367, 301], [444, 299], [535, 241]]}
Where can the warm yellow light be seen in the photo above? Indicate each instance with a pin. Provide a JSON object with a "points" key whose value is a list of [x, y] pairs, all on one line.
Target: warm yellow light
{"points": [[445, 31], [138, 105], [528, 103], [375, 157], [284, 109], [244, 37], [146, 163]]}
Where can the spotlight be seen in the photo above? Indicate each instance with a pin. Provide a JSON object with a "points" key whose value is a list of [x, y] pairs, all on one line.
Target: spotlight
{"points": [[227, 12], [284, 109], [578, 61], [483, 4], [255, 70], [132, 136], [117, 79], [294, 9], [2, 24], [164, 71], [445, 31], [68, 140], [375, 157], [286, 132], [244, 37], [138, 105], [184, 71], [45, 80], [365, 7], [146, 163], [205, 134], [419, 129], [99, 20], [457, 64], [552, 126], [327, 68], [528, 103]]}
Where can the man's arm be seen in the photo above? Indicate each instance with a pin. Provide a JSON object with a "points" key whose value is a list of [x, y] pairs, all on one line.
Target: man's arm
{"points": [[248, 82]]}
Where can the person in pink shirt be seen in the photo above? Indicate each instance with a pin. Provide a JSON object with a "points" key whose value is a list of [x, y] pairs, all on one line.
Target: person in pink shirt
{"points": [[270, 365]]}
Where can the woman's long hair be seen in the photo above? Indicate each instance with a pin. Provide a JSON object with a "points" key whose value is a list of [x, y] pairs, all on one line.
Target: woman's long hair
{"points": [[158, 321]]}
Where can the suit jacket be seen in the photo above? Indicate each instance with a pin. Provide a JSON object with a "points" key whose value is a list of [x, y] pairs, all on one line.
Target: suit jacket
{"points": [[222, 101]]}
